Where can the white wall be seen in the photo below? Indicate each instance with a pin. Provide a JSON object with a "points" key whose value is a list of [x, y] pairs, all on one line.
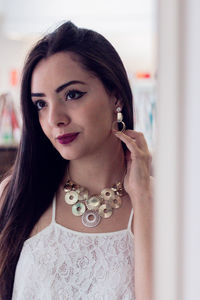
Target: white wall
{"points": [[12, 55], [128, 25], [167, 156], [177, 203], [191, 152]]}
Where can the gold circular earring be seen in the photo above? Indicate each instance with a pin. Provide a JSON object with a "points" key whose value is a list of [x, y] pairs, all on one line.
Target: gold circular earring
{"points": [[119, 122]]}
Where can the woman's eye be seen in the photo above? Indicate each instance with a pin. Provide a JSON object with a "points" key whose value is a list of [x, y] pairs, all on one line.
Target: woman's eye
{"points": [[74, 94], [39, 104]]}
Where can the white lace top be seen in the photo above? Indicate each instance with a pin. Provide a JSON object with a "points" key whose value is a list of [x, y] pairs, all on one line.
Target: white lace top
{"points": [[59, 263]]}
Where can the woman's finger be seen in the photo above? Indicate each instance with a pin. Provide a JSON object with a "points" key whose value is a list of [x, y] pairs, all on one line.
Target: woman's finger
{"points": [[139, 136], [130, 142]]}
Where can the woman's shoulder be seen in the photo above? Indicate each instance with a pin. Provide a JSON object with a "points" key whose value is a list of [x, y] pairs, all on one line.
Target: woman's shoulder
{"points": [[3, 186]]}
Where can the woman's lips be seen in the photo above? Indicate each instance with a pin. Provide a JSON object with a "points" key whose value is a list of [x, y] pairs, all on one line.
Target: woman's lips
{"points": [[67, 138]]}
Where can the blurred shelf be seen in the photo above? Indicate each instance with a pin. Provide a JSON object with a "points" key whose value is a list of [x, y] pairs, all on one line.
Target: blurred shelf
{"points": [[7, 158], [8, 147]]}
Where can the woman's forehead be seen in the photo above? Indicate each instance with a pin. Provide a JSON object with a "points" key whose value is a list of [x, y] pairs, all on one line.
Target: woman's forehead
{"points": [[59, 67], [63, 62]]}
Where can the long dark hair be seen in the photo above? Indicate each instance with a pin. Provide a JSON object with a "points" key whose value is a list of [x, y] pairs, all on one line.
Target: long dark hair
{"points": [[38, 167]]}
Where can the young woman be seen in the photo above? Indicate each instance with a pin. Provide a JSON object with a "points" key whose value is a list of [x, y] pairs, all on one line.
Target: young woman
{"points": [[76, 210]]}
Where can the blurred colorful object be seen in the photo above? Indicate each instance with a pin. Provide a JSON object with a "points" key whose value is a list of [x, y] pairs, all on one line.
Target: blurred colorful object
{"points": [[9, 125], [142, 75], [13, 77], [144, 94]]}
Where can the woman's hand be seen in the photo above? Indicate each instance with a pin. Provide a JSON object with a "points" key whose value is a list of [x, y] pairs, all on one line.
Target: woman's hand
{"points": [[137, 179]]}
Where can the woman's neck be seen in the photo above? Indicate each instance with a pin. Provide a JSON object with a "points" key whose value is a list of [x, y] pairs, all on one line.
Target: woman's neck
{"points": [[99, 171]]}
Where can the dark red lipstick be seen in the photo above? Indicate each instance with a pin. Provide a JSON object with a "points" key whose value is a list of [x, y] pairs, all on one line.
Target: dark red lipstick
{"points": [[67, 138]]}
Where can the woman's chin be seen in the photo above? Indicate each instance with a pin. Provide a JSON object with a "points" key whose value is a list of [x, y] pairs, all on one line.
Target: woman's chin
{"points": [[69, 155]]}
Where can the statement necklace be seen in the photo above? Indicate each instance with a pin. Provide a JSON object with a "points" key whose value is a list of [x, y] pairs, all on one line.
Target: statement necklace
{"points": [[93, 207]]}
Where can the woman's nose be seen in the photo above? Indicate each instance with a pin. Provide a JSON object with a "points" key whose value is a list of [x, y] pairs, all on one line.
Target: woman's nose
{"points": [[57, 115]]}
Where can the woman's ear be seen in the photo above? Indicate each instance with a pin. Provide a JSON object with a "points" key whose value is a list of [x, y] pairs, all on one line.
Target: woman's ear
{"points": [[117, 101]]}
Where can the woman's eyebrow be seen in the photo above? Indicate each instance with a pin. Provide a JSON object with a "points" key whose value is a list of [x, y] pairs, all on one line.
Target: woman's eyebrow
{"points": [[37, 95], [59, 89]]}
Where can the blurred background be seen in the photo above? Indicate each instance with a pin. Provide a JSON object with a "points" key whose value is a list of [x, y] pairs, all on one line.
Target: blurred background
{"points": [[159, 43]]}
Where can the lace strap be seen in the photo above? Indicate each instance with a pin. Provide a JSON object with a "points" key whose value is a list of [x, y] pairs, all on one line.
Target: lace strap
{"points": [[54, 209], [130, 220]]}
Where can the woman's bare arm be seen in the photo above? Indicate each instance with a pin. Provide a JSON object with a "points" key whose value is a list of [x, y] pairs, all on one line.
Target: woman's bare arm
{"points": [[143, 251], [143, 219]]}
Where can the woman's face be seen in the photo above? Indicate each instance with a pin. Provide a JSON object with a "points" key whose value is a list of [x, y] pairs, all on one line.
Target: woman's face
{"points": [[69, 100]]}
